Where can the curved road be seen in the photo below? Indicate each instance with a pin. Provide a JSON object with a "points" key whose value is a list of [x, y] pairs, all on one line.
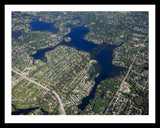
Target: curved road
{"points": [[61, 108]]}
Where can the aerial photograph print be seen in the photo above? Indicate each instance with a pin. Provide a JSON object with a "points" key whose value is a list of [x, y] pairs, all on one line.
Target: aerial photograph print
{"points": [[80, 63]]}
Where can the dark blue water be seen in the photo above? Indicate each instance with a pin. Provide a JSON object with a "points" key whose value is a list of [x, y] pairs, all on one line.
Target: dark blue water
{"points": [[40, 54], [77, 18], [27, 111], [104, 57], [22, 111], [77, 40], [36, 25], [145, 68], [16, 33]]}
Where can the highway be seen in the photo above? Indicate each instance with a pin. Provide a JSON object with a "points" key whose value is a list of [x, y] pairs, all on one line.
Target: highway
{"points": [[61, 108]]}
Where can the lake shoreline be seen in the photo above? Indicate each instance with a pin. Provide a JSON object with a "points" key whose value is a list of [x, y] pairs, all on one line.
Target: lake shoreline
{"points": [[103, 58]]}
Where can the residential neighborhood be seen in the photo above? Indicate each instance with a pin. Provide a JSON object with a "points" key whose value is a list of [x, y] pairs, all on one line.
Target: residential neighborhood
{"points": [[56, 72]]}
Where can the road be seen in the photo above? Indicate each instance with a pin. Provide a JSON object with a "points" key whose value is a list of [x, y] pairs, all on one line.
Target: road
{"points": [[124, 79], [61, 108], [129, 69]]}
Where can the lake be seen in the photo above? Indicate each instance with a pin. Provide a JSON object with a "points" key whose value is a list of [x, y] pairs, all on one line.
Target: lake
{"points": [[36, 25], [16, 33], [104, 58]]}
